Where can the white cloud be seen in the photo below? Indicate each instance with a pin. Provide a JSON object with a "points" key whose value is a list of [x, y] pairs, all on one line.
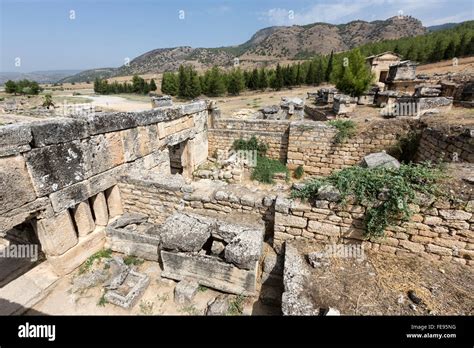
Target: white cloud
{"points": [[342, 11]]}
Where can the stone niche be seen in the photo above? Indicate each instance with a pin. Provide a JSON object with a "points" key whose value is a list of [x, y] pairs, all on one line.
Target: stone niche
{"points": [[215, 253]]}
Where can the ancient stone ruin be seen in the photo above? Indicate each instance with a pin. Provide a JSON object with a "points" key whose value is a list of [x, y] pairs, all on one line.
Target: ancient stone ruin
{"points": [[136, 183]]}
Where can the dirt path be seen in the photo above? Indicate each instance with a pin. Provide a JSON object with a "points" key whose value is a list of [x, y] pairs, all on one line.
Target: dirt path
{"points": [[114, 103]]}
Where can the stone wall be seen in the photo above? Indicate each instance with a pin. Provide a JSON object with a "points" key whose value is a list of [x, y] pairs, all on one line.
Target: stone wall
{"points": [[272, 132], [438, 230], [311, 144], [436, 145], [59, 174], [159, 197]]}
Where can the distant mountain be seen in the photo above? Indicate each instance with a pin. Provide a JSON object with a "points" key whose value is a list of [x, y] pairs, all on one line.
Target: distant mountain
{"points": [[442, 26], [89, 75], [268, 46], [47, 76]]}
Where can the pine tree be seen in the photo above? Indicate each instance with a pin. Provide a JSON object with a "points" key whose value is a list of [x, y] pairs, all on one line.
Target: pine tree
{"points": [[310, 74], [217, 85], [319, 72], [299, 75], [195, 85], [237, 82], [253, 80], [462, 46], [327, 76], [277, 79], [356, 77], [10, 86], [152, 85], [450, 51], [262, 79], [183, 82], [437, 52]]}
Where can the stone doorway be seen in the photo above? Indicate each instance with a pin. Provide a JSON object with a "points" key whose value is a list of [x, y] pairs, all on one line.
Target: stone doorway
{"points": [[20, 251]]}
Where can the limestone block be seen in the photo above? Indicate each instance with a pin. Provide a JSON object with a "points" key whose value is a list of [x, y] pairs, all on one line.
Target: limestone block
{"points": [[73, 258], [56, 234], [83, 218], [114, 202], [105, 122], [185, 232], [58, 130], [39, 207], [57, 166], [185, 291], [209, 271], [245, 249], [16, 187], [106, 151], [14, 139], [99, 206]]}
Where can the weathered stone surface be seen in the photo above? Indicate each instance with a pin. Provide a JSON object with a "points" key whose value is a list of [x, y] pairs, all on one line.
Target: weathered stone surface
{"points": [[83, 218], [218, 306], [282, 205], [380, 159], [56, 234], [273, 263], [295, 300], [134, 246], [245, 249], [99, 207], [455, 214], [44, 164], [105, 122], [329, 193], [76, 256], [58, 130], [185, 232], [185, 291], [39, 207], [114, 202], [128, 293], [14, 139], [217, 248], [209, 271], [164, 100], [105, 152], [16, 188]]}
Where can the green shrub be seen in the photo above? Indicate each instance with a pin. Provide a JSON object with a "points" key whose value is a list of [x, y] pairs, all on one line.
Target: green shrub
{"points": [[250, 145], [345, 129], [132, 260], [266, 168], [299, 172], [102, 254], [398, 187]]}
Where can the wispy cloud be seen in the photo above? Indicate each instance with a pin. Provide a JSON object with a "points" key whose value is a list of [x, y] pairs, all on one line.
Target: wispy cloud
{"points": [[339, 11]]}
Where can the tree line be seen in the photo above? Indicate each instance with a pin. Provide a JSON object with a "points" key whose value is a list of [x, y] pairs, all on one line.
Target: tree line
{"points": [[187, 83], [23, 87], [432, 47], [138, 86]]}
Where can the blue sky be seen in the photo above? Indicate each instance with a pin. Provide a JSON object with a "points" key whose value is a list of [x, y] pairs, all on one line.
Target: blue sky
{"points": [[104, 33]]}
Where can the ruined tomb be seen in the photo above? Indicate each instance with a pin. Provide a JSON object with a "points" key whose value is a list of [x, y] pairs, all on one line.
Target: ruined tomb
{"points": [[215, 253], [132, 234]]}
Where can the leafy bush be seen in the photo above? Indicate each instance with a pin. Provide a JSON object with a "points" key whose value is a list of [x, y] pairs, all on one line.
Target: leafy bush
{"points": [[250, 145], [299, 172], [386, 192], [345, 129], [102, 254], [266, 168]]}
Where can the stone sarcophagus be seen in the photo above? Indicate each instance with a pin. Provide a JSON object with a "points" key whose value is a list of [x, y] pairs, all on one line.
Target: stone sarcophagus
{"points": [[216, 254]]}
